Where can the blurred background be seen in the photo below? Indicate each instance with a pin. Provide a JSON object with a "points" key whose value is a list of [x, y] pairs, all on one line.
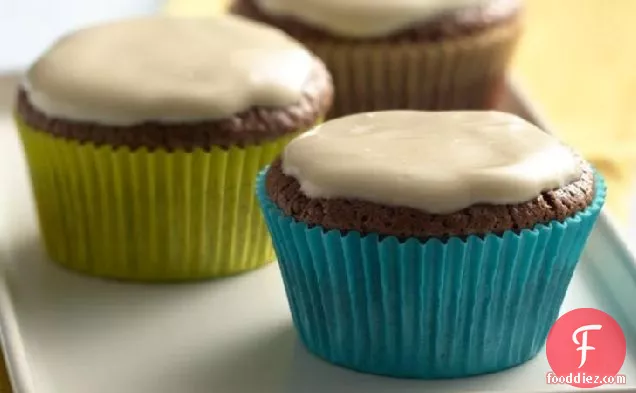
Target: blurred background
{"points": [[577, 62]]}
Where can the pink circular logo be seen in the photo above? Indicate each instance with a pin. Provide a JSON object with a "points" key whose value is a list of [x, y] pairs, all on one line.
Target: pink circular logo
{"points": [[586, 348]]}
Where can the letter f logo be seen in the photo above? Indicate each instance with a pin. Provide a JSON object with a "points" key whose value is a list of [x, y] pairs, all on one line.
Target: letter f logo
{"points": [[583, 344]]}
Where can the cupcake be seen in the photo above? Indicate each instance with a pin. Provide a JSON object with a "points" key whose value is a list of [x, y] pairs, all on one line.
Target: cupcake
{"points": [[402, 54], [143, 139], [428, 244]]}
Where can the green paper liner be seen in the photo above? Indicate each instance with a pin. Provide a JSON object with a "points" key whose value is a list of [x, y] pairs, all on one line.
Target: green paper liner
{"points": [[464, 73], [149, 215]]}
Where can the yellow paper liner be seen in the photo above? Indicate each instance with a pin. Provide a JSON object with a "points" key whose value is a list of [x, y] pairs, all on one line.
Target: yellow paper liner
{"points": [[466, 73], [149, 215]]}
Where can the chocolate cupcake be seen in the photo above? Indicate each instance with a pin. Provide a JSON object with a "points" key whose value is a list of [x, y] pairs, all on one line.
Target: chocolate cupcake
{"points": [[428, 244], [403, 54], [144, 138]]}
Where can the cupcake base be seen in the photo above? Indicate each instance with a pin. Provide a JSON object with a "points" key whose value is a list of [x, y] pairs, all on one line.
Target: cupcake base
{"points": [[431, 309], [149, 215], [455, 74]]}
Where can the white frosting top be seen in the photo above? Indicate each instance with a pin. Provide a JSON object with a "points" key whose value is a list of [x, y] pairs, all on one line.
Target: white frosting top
{"points": [[363, 18], [438, 162], [168, 69]]}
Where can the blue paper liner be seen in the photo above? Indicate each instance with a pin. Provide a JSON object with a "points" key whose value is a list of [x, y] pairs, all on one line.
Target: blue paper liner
{"points": [[432, 309]]}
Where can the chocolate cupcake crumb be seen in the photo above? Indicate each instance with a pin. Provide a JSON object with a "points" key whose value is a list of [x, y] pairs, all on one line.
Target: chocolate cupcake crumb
{"points": [[402, 222], [254, 126]]}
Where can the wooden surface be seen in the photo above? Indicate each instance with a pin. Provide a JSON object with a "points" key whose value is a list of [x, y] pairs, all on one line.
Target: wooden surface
{"points": [[577, 62]]}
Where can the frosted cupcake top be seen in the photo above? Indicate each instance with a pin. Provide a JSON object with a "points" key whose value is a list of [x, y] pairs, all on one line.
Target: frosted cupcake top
{"points": [[364, 18], [437, 162], [168, 69]]}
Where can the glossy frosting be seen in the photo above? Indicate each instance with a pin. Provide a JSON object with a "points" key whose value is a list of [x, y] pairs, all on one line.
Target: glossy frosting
{"points": [[437, 162], [168, 69], [364, 18]]}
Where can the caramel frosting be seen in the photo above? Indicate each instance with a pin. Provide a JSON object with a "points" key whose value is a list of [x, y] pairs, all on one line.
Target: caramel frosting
{"points": [[168, 70], [365, 18], [437, 162]]}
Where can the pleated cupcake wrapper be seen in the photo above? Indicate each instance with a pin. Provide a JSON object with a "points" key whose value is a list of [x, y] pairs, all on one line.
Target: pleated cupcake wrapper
{"points": [[427, 309], [466, 73], [149, 215]]}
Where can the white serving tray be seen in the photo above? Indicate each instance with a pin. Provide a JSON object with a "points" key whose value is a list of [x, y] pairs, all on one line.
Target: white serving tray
{"points": [[65, 333]]}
